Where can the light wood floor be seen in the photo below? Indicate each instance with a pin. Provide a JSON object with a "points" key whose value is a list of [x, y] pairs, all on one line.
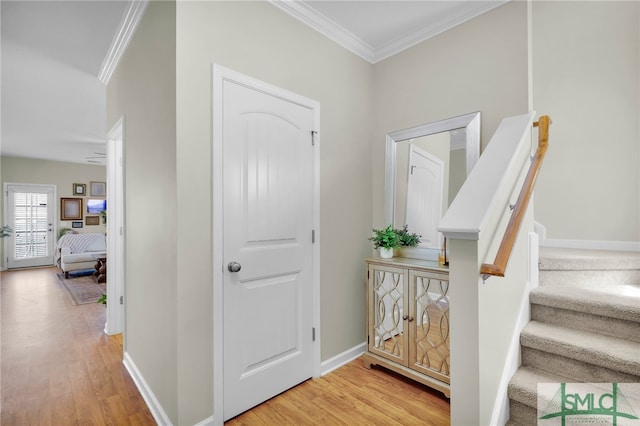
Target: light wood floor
{"points": [[350, 396], [57, 365], [59, 368]]}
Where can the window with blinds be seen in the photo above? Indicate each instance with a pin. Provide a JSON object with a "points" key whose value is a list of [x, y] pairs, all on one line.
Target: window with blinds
{"points": [[31, 225]]}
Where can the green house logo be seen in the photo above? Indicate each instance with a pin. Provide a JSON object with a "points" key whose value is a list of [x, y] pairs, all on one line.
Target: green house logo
{"points": [[589, 403]]}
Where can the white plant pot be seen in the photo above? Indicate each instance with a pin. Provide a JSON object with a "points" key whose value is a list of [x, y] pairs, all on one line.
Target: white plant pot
{"points": [[386, 253]]}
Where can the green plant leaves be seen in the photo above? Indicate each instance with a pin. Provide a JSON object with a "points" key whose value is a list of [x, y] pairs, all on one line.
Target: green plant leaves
{"points": [[394, 238]]}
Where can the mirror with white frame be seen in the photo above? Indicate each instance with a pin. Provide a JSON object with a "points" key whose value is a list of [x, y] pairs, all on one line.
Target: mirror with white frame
{"points": [[425, 167]]}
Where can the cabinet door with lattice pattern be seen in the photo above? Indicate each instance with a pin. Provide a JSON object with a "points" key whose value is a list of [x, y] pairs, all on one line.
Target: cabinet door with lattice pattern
{"points": [[429, 330], [387, 312]]}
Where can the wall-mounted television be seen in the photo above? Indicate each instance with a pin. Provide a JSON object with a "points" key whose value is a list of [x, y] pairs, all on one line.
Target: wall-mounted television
{"points": [[96, 206]]}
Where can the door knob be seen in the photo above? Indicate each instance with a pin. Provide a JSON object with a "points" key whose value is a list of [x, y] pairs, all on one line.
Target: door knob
{"points": [[234, 266]]}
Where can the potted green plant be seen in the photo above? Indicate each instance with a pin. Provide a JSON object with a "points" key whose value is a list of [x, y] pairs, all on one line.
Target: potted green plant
{"points": [[407, 239], [385, 240]]}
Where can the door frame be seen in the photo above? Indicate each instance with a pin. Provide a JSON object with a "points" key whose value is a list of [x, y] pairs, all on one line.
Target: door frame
{"points": [[54, 219], [219, 75], [115, 230]]}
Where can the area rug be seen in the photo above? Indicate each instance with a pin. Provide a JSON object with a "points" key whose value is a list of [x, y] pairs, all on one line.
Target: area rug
{"points": [[82, 289]]}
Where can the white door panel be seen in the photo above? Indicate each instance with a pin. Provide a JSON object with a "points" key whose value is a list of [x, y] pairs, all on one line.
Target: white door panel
{"points": [[30, 214], [268, 207], [424, 196]]}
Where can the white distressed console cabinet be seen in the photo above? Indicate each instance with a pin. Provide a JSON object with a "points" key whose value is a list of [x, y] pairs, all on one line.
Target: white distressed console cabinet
{"points": [[408, 319]]}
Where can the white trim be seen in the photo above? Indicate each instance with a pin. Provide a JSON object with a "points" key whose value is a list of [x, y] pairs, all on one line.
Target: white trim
{"points": [[325, 26], [2, 269], [500, 413], [209, 421], [317, 354], [158, 413], [396, 46], [130, 20], [115, 228], [217, 211], [219, 75], [342, 358], [541, 230]]}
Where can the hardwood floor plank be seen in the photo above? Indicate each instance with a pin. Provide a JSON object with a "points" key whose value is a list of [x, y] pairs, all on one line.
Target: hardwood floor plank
{"points": [[352, 395], [58, 367], [63, 411]]}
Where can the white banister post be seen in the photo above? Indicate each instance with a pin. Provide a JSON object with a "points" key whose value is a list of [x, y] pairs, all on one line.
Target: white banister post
{"points": [[464, 331]]}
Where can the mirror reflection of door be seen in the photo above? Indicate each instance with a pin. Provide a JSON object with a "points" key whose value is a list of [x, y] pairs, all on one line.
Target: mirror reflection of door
{"points": [[422, 185], [424, 195]]}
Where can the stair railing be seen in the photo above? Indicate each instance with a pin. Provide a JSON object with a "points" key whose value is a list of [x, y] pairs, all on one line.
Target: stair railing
{"points": [[499, 265]]}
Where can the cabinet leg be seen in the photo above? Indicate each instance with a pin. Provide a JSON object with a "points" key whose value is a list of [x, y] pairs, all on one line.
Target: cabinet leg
{"points": [[366, 362]]}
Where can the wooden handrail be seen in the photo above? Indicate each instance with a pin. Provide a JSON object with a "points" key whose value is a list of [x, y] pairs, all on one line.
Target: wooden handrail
{"points": [[499, 265]]}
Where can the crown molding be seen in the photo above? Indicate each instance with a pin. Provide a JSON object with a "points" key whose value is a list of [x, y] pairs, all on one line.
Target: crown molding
{"points": [[325, 26], [396, 46], [131, 18], [330, 29]]}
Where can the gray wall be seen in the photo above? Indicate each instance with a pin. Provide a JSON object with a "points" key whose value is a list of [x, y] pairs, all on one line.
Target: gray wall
{"points": [[478, 66], [586, 76], [258, 39], [143, 90], [163, 86]]}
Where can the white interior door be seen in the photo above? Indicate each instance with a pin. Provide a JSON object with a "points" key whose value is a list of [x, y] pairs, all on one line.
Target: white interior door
{"points": [[30, 214], [268, 201], [424, 196]]}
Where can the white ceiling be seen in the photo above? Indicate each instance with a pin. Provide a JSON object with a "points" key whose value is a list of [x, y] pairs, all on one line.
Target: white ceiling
{"points": [[53, 106]]}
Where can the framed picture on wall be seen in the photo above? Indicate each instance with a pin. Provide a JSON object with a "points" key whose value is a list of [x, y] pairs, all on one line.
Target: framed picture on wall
{"points": [[77, 224], [98, 189], [71, 209], [92, 220], [96, 206], [79, 189]]}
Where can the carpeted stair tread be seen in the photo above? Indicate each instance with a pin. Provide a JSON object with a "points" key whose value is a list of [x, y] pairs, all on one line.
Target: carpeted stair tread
{"points": [[591, 348], [614, 301], [587, 260], [590, 278]]}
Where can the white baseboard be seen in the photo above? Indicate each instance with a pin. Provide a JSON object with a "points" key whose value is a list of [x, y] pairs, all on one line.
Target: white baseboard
{"points": [[2, 269], [341, 359], [584, 244], [158, 413], [209, 421]]}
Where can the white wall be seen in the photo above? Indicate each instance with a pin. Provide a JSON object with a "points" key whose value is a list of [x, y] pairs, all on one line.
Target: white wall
{"points": [[142, 89], [262, 41], [586, 76], [62, 175]]}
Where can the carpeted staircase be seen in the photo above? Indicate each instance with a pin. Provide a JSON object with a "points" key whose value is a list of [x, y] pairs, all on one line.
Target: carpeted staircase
{"points": [[585, 325]]}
